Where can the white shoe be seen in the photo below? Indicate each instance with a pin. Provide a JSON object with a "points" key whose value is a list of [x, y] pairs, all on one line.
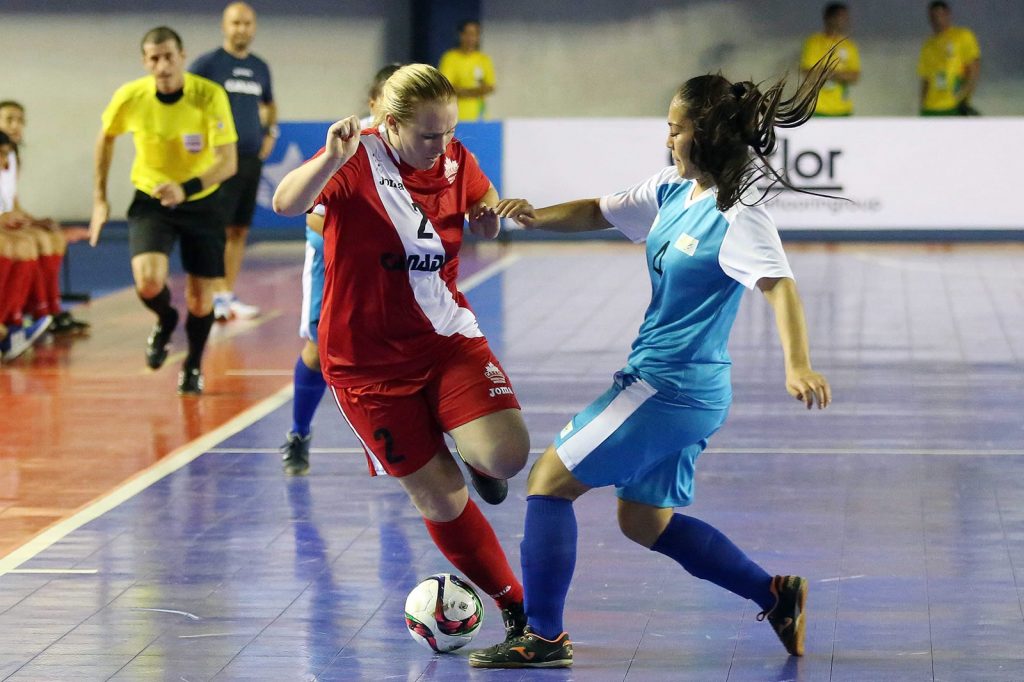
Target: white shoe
{"points": [[243, 311], [222, 307], [20, 340]]}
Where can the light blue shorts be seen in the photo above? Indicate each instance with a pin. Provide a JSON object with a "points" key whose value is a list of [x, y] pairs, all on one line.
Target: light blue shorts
{"points": [[312, 285], [639, 440]]}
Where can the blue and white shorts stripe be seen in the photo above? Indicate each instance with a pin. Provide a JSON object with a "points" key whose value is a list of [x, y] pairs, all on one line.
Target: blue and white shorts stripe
{"points": [[639, 440], [312, 285]]}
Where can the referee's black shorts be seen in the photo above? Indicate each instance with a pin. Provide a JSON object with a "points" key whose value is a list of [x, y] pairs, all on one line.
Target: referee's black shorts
{"points": [[199, 224], [238, 193]]}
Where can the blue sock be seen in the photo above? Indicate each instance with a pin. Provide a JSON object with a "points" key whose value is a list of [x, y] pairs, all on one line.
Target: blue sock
{"points": [[548, 558], [706, 553], [309, 389]]}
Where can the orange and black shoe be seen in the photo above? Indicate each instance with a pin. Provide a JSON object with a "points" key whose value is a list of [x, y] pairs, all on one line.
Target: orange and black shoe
{"points": [[787, 616], [529, 650]]}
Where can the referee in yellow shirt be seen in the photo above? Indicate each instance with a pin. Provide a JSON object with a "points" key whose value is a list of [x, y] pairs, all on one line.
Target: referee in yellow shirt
{"points": [[834, 98], [470, 71], [184, 148], [949, 65]]}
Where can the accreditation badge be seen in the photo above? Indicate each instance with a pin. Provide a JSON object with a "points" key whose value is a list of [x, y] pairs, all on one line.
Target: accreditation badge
{"points": [[193, 142]]}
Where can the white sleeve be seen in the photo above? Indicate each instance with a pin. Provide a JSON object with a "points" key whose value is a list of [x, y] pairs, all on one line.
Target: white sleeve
{"points": [[319, 210], [632, 211], [752, 248]]}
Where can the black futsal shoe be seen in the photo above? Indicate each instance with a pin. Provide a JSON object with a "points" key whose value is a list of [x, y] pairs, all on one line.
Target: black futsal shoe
{"points": [[787, 616], [296, 454], [529, 650], [64, 323], [514, 618], [190, 381], [156, 345], [490, 490]]}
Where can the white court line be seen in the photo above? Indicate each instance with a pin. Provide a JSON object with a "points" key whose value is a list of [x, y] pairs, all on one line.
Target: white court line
{"points": [[313, 451], [711, 450], [841, 578], [142, 480], [190, 616], [259, 372], [188, 452], [491, 270], [56, 571], [862, 451]]}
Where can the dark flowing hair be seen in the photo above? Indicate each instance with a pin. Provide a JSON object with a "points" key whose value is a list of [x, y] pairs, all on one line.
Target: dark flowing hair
{"points": [[734, 127]]}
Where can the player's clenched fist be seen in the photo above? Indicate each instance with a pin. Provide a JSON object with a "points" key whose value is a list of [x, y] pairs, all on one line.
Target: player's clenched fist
{"points": [[343, 138]]}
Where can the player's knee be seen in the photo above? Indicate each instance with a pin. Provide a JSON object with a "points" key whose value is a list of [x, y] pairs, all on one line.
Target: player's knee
{"points": [[24, 249], [438, 491], [149, 286], [550, 477]]}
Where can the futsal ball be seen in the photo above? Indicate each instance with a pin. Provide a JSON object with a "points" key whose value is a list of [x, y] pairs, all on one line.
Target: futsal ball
{"points": [[443, 612]]}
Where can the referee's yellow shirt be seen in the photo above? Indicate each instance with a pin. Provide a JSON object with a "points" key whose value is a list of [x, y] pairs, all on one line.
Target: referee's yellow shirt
{"points": [[173, 142], [468, 71], [943, 64], [834, 98]]}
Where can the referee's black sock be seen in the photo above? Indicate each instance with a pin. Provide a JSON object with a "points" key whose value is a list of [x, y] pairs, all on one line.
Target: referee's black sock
{"points": [[198, 330], [161, 305]]}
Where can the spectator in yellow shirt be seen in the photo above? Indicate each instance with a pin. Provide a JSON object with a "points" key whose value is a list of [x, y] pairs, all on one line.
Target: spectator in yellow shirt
{"points": [[949, 65], [470, 72], [834, 99]]}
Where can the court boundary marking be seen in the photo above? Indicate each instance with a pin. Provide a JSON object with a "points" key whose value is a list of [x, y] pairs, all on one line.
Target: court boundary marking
{"points": [[179, 457], [823, 452], [141, 480]]}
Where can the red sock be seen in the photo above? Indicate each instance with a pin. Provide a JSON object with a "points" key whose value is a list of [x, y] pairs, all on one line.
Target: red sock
{"points": [[21, 280], [6, 264], [470, 544], [36, 304], [51, 277]]}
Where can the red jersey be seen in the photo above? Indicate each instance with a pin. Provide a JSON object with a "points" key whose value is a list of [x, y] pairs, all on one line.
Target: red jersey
{"points": [[391, 254]]}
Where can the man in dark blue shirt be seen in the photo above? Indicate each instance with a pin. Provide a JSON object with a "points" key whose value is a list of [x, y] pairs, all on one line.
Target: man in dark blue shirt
{"points": [[246, 77]]}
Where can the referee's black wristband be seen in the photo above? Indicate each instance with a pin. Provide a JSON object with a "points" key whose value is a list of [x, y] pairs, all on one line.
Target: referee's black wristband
{"points": [[192, 186]]}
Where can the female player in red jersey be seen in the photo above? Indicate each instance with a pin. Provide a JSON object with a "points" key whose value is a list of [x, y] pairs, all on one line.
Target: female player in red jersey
{"points": [[399, 347]]}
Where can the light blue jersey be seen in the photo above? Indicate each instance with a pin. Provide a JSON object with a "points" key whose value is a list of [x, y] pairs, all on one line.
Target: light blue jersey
{"points": [[312, 283], [699, 260], [644, 434]]}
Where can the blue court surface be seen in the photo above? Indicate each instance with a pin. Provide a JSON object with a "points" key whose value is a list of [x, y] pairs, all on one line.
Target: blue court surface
{"points": [[903, 503]]}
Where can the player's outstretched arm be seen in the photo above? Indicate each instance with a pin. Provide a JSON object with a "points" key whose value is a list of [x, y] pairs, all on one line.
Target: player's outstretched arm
{"points": [[100, 205], [582, 215], [802, 382], [300, 188]]}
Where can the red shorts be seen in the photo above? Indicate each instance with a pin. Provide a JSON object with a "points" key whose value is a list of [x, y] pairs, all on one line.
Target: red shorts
{"points": [[401, 422]]}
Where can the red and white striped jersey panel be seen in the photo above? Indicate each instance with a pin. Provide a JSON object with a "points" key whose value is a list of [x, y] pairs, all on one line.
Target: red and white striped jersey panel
{"points": [[391, 242]]}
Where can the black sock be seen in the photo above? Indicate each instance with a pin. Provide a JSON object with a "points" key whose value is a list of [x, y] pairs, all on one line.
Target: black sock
{"points": [[198, 330], [161, 305]]}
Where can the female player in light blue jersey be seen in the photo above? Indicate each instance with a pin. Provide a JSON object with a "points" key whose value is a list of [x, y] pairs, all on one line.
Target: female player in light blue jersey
{"points": [[708, 239]]}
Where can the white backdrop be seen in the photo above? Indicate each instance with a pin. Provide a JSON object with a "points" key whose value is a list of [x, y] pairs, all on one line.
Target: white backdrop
{"points": [[893, 173]]}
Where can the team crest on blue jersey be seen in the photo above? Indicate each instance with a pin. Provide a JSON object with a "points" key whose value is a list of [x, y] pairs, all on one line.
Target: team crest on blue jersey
{"points": [[687, 244], [451, 169]]}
